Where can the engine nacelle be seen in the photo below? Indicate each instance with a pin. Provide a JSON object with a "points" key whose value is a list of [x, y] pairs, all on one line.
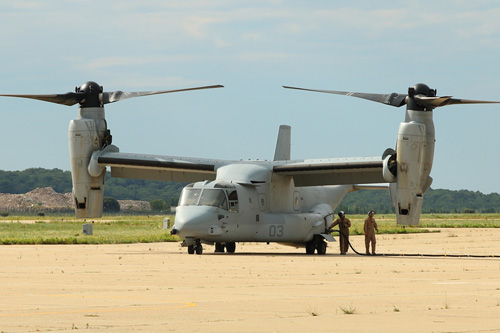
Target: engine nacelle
{"points": [[86, 135], [411, 178]]}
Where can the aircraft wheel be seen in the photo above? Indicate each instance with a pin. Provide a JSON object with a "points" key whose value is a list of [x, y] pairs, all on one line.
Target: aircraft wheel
{"points": [[219, 247], [310, 247], [231, 247], [191, 249], [321, 247], [199, 249]]}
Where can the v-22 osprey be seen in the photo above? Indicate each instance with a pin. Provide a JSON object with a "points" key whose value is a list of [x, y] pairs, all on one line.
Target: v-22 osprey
{"points": [[286, 201]]}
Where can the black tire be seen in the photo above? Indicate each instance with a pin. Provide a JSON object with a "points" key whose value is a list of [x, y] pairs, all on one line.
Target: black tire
{"points": [[231, 247], [310, 247], [191, 249], [219, 247], [199, 249], [321, 247]]}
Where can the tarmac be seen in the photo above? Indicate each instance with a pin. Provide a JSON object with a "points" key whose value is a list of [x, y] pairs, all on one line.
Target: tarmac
{"points": [[260, 288]]}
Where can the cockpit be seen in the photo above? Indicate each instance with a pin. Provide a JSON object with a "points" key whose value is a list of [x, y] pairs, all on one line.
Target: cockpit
{"points": [[222, 195]]}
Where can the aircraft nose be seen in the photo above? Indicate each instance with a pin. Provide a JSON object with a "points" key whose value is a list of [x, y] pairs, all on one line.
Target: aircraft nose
{"points": [[194, 221]]}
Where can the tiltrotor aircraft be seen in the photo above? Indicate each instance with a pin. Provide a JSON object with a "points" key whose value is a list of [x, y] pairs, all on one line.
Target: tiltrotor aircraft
{"points": [[286, 201]]}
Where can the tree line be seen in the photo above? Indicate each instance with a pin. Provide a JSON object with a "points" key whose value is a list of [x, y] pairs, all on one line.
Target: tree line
{"points": [[435, 201], [161, 193], [19, 182]]}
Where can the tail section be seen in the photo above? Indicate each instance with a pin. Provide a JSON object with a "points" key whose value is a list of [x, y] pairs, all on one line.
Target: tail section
{"points": [[282, 152]]}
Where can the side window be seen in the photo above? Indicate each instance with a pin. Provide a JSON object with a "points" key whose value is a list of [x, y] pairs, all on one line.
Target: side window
{"points": [[233, 201]]}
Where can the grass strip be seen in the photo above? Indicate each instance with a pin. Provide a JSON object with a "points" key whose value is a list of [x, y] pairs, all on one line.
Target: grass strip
{"points": [[149, 229], [122, 230]]}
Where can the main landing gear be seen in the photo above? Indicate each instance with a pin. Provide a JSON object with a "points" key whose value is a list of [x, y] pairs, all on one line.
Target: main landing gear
{"points": [[230, 247], [317, 244]]}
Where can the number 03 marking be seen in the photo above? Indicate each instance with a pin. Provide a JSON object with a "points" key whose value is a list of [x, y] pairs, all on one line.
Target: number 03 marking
{"points": [[275, 231]]}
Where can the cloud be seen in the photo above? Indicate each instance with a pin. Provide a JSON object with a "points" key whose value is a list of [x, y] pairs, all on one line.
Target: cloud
{"points": [[197, 26]]}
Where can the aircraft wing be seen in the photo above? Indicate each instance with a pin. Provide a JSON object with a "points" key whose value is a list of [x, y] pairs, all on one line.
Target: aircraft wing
{"points": [[157, 167], [333, 171]]}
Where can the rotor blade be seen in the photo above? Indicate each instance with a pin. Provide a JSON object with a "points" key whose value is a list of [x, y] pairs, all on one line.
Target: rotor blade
{"points": [[116, 96], [64, 99], [434, 102], [393, 99]]}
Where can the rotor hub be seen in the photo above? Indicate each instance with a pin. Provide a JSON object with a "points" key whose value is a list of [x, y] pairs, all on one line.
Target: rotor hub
{"points": [[90, 92], [420, 89]]}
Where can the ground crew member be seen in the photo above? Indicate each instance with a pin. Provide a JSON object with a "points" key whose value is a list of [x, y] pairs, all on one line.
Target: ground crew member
{"points": [[344, 224], [369, 229]]}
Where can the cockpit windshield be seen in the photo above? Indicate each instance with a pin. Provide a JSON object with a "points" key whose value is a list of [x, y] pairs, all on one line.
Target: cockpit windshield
{"points": [[213, 197], [189, 196], [208, 197]]}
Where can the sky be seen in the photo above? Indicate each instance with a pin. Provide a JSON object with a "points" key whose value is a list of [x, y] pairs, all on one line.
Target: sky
{"points": [[253, 48]]}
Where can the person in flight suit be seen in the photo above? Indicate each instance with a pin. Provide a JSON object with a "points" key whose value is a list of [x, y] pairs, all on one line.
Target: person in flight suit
{"points": [[344, 224], [369, 229]]}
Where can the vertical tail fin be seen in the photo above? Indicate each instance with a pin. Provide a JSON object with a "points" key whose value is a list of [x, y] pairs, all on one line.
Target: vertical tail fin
{"points": [[282, 152]]}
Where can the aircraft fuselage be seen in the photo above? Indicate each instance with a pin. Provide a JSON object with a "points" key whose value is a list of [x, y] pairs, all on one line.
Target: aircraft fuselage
{"points": [[250, 203]]}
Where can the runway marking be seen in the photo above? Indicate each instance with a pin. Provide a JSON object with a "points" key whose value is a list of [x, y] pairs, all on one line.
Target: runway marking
{"points": [[185, 305]]}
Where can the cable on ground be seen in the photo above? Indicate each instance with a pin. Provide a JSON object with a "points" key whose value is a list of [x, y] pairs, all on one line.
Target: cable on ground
{"points": [[416, 254]]}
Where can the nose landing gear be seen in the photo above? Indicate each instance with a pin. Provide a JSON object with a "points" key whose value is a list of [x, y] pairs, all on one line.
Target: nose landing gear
{"points": [[196, 247]]}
